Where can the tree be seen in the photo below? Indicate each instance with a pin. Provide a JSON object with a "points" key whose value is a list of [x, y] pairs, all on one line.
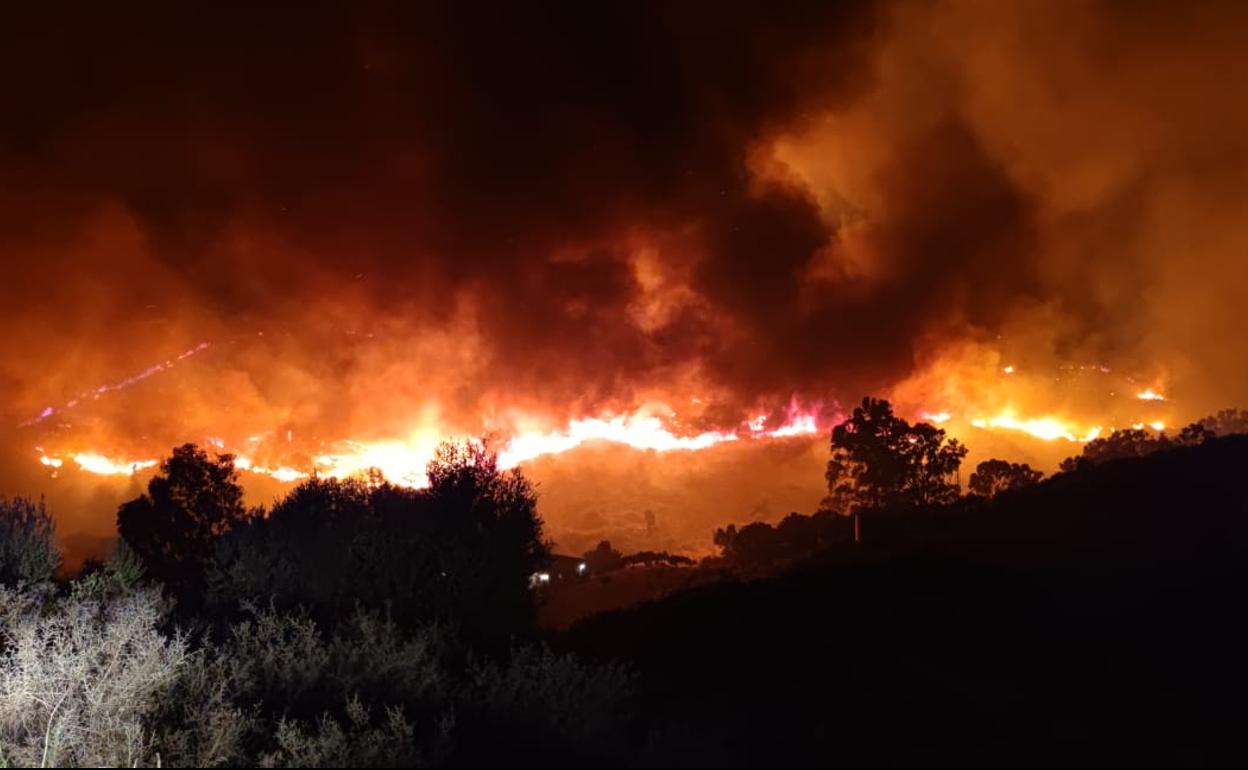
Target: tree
{"points": [[1195, 434], [461, 550], [487, 536], [604, 558], [28, 550], [189, 504], [881, 461], [992, 477], [650, 558], [1128, 442], [1227, 422]]}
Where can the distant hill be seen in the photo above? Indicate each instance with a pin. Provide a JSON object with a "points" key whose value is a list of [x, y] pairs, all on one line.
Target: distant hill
{"points": [[1094, 618]]}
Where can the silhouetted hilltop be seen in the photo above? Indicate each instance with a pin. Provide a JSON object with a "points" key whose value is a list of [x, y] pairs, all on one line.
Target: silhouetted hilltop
{"points": [[1094, 617]]}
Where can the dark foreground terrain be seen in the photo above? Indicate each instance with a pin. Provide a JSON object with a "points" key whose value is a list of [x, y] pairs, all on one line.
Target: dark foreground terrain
{"points": [[1097, 617]]}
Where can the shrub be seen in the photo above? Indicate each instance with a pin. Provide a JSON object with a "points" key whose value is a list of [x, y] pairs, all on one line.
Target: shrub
{"points": [[78, 679], [277, 691], [117, 576], [28, 550], [280, 691]]}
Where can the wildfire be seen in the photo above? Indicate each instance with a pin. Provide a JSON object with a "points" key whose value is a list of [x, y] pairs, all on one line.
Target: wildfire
{"points": [[281, 473], [104, 466], [1046, 428], [403, 461], [654, 427]]}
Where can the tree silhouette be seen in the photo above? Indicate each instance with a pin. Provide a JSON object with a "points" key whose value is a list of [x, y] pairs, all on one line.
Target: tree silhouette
{"points": [[603, 558], [487, 521], [191, 502], [991, 477], [650, 558], [1195, 434], [1227, 422], [1128, 442], [881, 461], [461, 550]]}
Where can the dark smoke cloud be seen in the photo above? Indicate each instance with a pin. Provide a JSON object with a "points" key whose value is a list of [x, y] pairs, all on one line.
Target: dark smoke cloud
{"points": [[445, 163]]}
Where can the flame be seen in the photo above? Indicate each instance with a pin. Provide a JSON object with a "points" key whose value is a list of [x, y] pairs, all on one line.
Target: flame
{"points": [[1150, 395], [104, 466], [281, 473], [1048, 428], [403, 461]]}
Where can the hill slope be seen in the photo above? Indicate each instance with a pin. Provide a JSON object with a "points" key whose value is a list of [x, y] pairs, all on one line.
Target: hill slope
{"points": [[1094, 618]]}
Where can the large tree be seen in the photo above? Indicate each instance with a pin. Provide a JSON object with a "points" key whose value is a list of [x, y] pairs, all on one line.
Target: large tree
{"points": [[189, 504], [881, 461]]}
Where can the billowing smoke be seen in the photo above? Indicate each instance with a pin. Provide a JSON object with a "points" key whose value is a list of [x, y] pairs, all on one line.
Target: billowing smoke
{"points": [[384, 219]]}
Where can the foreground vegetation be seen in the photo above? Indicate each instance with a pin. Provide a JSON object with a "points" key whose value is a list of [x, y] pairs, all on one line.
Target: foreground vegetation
{"points": [[357, 624]]}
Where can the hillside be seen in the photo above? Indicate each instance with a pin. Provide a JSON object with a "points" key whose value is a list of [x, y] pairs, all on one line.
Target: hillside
{"points": [[1094, 618]]}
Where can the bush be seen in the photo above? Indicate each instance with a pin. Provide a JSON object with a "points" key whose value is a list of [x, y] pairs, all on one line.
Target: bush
{"points": [[28, 550], [117, 576], [79, 678], [278, 691]]}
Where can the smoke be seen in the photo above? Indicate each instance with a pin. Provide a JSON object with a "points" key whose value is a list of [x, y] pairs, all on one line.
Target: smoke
{"points": [[389, 220]]}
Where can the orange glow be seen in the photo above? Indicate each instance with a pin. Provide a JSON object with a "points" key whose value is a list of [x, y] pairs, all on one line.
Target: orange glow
{"points": [[1150, 395], [1047, 428], [403, 461], [281, 473], [105, 466]]}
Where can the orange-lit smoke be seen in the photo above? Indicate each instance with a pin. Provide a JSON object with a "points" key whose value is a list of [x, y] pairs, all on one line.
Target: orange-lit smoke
{"points": [[1022, 221]]}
